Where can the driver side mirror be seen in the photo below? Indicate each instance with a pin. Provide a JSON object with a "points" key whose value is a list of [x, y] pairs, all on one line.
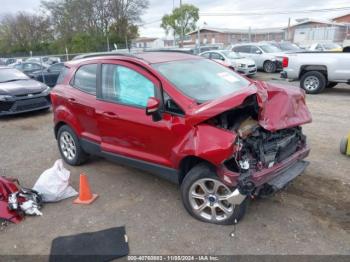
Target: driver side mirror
{"points": [[258, 52], [152, 109]]}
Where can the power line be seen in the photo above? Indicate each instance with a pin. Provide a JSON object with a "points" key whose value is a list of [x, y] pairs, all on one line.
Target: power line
{"points": [[259, 13], [150, 22], [272, 12]]}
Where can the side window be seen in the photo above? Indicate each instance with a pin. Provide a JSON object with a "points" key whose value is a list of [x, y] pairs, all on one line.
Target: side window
{"points": [[206, 55], [36, 66], [27, 66], [56, 68], [62, 75], [85, 78], [216, 56], [237, 49], [254, 50], [126, 86], [242, 49]]}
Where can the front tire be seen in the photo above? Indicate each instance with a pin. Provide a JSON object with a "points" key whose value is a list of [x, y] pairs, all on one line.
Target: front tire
{"points": [[269, 67], [203, 196], [313, 82], [69, 146]]}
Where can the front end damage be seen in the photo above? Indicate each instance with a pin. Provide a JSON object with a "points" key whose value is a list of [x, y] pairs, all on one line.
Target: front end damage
{"points": [[268, 153]]}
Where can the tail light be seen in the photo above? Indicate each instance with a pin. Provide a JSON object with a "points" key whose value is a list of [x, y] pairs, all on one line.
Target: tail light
{"points": [[285, 61], [53, 98]]}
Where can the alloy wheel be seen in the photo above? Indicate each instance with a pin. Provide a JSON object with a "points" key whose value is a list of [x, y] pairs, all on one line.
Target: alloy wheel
{"points": [[68, 147], [311, 83], [208, 199], [269, 67]]}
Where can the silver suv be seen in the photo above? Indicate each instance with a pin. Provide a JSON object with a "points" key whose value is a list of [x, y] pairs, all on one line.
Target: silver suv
{"points": [[267, 57]]}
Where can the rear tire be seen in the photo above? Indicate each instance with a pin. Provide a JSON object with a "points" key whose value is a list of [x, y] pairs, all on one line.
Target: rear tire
{"points": [[204, 204], [313, 82], [69, 146], [269, 67]]}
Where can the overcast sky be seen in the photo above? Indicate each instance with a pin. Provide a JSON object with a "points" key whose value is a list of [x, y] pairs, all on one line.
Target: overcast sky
{"points": [[160, 7]]}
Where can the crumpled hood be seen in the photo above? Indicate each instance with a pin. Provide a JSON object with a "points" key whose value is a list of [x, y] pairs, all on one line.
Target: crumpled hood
{"points": [[21, 87], [280, 106]]}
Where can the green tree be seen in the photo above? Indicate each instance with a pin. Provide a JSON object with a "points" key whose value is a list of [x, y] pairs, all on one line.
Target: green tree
{"points": [[182, 20]]}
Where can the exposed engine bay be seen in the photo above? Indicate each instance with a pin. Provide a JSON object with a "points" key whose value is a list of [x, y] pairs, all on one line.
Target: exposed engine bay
{"points": [[257, 148]]}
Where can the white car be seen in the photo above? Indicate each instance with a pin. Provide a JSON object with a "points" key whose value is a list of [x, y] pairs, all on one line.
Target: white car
{"points": [[236, 61], [323, 47], [317, 71], [267, 57]]}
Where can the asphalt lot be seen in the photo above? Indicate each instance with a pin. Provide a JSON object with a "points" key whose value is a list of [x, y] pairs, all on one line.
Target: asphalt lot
{"points": [[312, 216]]}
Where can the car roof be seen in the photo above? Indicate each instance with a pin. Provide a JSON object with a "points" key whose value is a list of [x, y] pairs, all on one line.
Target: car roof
{"points": [[162, 57], [254, 44], [147, 57]]}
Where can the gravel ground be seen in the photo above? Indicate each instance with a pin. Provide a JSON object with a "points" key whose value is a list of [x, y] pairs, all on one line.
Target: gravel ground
{"points": [[312, 216]]}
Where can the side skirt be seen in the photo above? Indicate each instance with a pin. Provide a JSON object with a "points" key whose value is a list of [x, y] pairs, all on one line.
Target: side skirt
{"points": [[163, 172]]}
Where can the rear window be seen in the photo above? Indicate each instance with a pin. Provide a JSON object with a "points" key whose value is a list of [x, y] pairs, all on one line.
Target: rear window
{"points": [[62, 75], [242, 49], [85, 78]]}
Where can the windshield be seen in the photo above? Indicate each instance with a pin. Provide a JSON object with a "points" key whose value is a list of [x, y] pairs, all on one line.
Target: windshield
{"points": [[270, 49], [201, 79], [232, 55], [330, 46], [9, 74]]}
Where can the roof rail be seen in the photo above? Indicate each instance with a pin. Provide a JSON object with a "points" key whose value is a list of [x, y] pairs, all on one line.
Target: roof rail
{"points": [[89, 55]]}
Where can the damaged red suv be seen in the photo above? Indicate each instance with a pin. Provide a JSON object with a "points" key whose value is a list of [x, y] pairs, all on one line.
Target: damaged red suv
{"points": [[223, 138]]}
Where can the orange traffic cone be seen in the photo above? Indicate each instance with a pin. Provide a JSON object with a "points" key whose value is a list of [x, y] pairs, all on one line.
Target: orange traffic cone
{"points": [[85, 195]]}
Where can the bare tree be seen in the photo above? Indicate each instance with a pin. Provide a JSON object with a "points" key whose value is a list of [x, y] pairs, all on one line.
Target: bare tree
{"points": [[95, 16], [24, 30]]}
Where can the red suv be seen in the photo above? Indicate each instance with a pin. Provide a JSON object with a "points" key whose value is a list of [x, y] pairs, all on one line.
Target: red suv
{"points": [[223, 138]]}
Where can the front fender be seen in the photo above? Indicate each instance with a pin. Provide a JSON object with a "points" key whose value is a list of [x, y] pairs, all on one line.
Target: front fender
{"points": [[207, 142]]}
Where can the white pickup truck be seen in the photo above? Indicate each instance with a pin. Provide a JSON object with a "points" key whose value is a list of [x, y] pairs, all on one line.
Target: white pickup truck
{"points": [[317, 70]]}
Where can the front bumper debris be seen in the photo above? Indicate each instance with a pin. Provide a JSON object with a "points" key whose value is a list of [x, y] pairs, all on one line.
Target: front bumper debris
{"points": [[285, 176], [267, 175]]}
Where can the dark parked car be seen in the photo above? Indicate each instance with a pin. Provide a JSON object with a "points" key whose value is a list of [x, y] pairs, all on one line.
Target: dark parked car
{"points": [[30, 67], [49, 75], [19, 93], [222, 137]]}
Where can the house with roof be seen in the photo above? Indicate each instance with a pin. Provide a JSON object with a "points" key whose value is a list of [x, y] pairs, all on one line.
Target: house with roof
{"points": [[227, 36], [345, 18], [147, 42], [308, 31]]}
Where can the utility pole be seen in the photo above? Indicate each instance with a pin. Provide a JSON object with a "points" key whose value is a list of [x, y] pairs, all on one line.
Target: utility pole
{"points": [[107, 42], [250, 34], [182, 28], [174, 29], [288, 32], [199, 39]]}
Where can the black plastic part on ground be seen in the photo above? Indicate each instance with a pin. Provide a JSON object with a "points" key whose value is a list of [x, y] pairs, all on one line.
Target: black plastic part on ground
{"points": [[105, 245]]}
